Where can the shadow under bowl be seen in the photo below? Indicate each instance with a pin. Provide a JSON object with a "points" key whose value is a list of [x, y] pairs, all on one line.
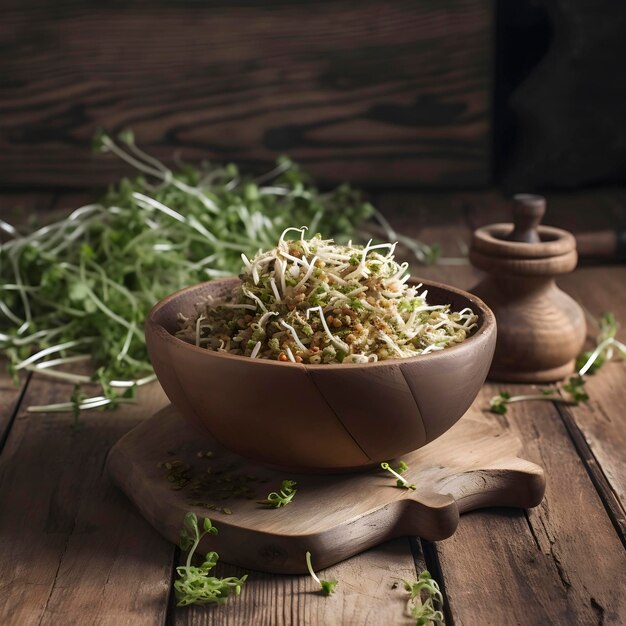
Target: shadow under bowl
{"points": [[319, 418]]}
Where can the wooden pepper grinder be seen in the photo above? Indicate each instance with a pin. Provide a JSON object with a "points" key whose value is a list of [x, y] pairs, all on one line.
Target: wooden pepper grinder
{"points": [[541, 330]]}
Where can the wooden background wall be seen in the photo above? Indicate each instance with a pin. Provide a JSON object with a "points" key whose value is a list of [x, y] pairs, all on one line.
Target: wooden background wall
{"points": [[380, 93]]}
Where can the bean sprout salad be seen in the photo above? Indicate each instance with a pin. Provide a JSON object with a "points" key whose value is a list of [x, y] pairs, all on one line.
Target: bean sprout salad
{"points": [[314, 301]]}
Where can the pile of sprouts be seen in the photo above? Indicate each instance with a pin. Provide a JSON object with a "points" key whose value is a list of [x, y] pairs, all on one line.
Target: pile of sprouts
{"points": [[74, 293], [315, 301]]}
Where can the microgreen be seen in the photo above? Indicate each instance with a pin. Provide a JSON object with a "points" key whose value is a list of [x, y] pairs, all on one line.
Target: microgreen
{"points": [[80, 288], [327, 586], [283, 496], [423, 594], [401, 481], [304, 301], [194, 585], [573, 391], [606, 346]]}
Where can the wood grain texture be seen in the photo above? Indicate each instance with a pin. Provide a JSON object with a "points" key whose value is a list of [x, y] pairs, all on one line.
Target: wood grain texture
{"points": [[496, 571], [555, 564], [333, 517], [17, 209], [365, 594], [72, 550], [601, 421], [541, 330], [378, 93]]}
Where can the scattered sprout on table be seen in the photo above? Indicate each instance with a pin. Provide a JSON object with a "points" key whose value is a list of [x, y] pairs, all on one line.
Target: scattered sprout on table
{"points": [[326, 586], [194, 584], [282, 497], [401, 481], [573, 391], [424, 595]]}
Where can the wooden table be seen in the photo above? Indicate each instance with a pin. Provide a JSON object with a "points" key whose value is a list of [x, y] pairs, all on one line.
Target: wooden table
{"points": [[74, 551]]}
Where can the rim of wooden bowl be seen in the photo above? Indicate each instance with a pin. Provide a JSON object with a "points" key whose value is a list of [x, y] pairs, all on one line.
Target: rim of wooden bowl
{"points": [[487, 325]]}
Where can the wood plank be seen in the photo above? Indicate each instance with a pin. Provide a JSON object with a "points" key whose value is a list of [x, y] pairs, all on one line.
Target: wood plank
{"points": [[16, 208], [365, 594], [601, 420], [555, 564], [333, 516], [72, 549], [392, 93]]}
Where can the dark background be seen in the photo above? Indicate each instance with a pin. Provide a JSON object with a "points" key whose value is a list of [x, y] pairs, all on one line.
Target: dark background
{"points": [[428, 94]]}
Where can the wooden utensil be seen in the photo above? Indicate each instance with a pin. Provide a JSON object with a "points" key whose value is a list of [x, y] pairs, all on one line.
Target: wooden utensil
{"points": [[335, 516], [541, 330]]}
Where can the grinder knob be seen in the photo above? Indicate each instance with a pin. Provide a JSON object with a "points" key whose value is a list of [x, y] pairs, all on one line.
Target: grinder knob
{"points": [[528, 211]]}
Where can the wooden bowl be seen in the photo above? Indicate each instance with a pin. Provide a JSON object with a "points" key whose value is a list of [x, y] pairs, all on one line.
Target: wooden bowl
{"points": [[319, 418]]}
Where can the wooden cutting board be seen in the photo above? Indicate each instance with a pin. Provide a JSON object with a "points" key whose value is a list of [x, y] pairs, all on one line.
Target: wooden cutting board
{"points": [[167, 468]]}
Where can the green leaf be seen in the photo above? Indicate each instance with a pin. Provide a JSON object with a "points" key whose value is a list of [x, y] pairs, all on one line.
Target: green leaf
{"points": [[103, 269], [98, 142], [282, 497], [194, 584], [127, 136], [189, 532], [328, 586]]}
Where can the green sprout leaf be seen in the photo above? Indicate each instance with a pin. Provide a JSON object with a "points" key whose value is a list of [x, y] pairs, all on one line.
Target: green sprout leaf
{"points": [[498, 404], [326, 586], [282, 497], [194, 584], [400, 480], [127, 136], [424, 598], [80, 289], [573, 391]]}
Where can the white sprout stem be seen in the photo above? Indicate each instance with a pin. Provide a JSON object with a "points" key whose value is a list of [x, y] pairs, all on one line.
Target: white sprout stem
{"points": [[23, 296], [62, 361], [9, 229], [255, 350], [66, 407], [52, 350], [150, 160], [273, 173], [22, 341], [389, 341], [131, 160], [308, 273], [552, 397], [263, 319], [596, 353], [299, 230], [275, 289], [250, 295], [340, 344], [294, 334], [280, 270], [5, 309], [79, 379], [310, 568], [129, 337], [140, 382], [290, 355], [401, 478], [198, 321], [228, 305], [155, 204]]}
